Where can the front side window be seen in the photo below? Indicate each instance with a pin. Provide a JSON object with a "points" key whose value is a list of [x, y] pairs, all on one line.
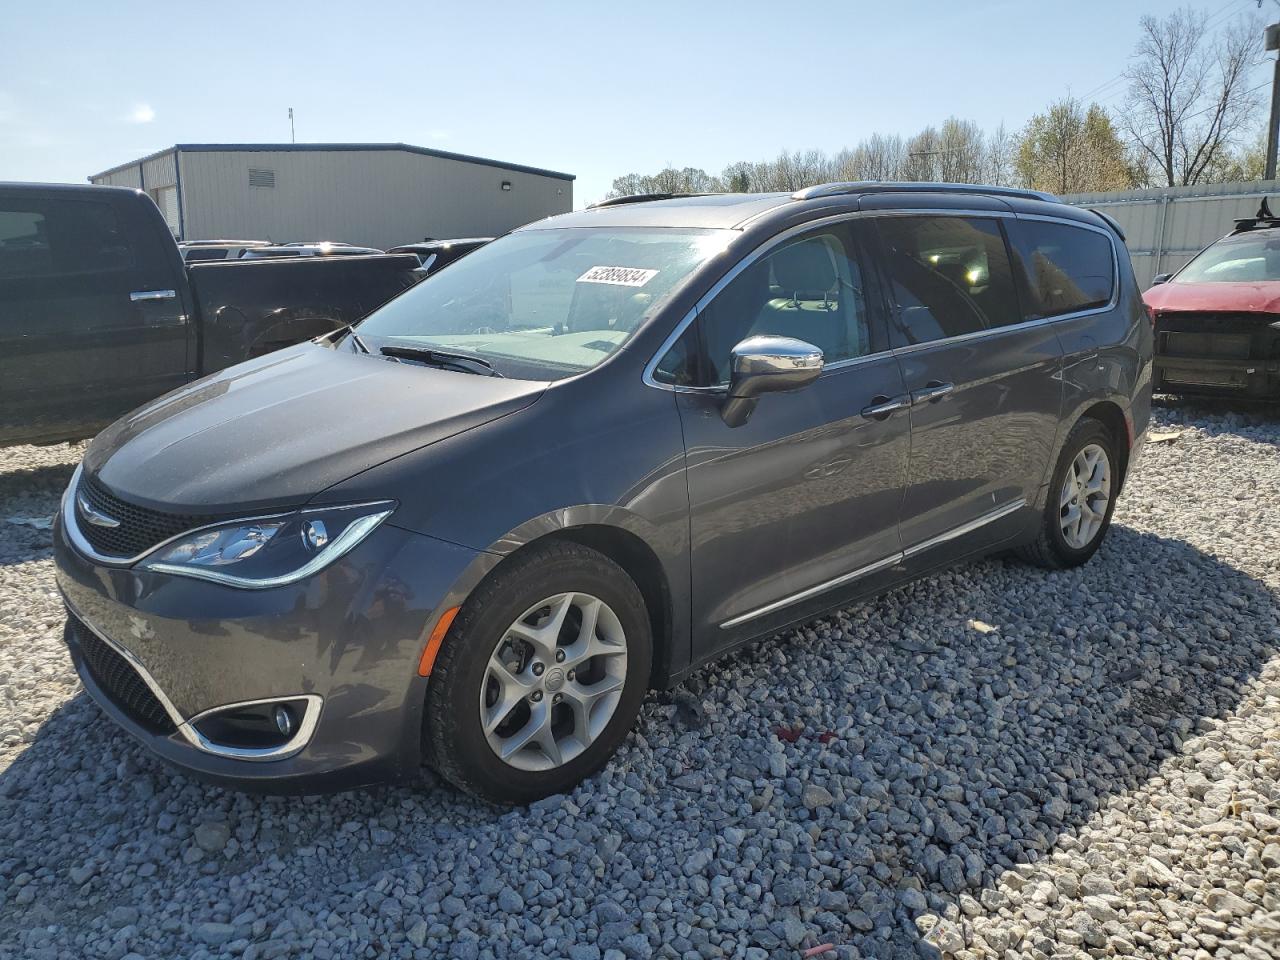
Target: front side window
{"points": [[949, 275], [1067, 268], [546, 304], [1247, 258], [809, 288]]}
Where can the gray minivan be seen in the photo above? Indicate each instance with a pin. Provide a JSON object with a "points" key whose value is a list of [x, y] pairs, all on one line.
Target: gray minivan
{"points": [[473, 530]]}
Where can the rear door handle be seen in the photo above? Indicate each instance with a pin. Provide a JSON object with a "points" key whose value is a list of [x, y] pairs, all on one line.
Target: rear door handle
{"points": [[153, 295], [882, 406], [933, 391]]}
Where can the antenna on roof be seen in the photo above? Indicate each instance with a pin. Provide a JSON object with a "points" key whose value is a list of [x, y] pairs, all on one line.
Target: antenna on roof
{"points": [[292, 137]]}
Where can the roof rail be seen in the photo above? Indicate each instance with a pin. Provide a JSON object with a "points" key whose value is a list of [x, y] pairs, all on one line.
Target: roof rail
{"points": [[1263, 218], [641, 198], [886, 186]]}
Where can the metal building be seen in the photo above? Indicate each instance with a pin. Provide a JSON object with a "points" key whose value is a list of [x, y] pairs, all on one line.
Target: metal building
{"points": [[1165, 227], [369, 194]]}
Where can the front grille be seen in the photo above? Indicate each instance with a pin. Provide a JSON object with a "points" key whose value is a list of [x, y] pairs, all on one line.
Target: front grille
{"points": [[1219, 346], [118, 679], [140, 528]]}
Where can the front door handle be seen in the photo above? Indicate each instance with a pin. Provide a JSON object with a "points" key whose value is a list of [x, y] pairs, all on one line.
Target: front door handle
{"points": [[882, 406], [933, 391], [153, 295]]}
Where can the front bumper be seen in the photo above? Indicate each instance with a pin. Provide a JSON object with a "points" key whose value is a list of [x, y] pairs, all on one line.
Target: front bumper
{"points": [[346, 641]]}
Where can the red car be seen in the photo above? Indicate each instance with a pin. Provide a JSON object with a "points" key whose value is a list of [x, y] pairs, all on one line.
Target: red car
{"points": [[1217, 320]]}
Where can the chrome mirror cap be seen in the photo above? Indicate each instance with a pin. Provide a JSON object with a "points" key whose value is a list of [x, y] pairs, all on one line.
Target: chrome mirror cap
{"points": [[767, 364]]}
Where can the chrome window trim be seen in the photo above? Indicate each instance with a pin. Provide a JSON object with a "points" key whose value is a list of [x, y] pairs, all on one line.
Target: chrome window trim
{"points": [[763, 248], [295, 744], [989, 517], [70, 523]]}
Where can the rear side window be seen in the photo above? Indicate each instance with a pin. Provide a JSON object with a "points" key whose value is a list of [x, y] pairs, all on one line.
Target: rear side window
{"points": [[950, 276], [1067, 268], [47, 237]]}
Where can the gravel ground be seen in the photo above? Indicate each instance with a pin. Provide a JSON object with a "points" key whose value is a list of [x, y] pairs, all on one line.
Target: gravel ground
{"points": [[993, 762]]}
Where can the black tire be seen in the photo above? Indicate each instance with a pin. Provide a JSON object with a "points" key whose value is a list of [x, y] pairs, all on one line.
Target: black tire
{"points": [[1050, 548], [453, 738]]}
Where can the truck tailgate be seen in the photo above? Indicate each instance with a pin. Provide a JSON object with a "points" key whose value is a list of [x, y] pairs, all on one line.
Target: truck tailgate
{"points": [[251, 307]]}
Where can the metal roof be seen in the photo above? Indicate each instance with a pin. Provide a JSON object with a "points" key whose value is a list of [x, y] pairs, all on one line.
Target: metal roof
{"points": [[334, 148]]}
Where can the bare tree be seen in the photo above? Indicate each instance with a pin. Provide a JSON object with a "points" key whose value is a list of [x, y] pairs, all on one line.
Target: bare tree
{"points": [[923, 150], [1188, 98], [670, 180], [998, 165], [961, 151]]}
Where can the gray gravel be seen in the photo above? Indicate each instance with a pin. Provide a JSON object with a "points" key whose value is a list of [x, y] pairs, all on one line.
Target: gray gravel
{"points": [[994, 762]]}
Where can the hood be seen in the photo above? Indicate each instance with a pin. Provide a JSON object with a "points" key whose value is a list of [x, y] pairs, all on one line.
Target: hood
{"points": [[275, 431], [1260, 297]]}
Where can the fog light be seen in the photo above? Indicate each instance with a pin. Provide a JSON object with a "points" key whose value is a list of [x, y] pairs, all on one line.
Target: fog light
{"points": [[314, 534], [284, 721]]}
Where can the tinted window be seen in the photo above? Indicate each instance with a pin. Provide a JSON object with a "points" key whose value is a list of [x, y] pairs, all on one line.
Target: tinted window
{"points": [[61, 237], [24, 244], [1067, 268], [809, 288], [679, 365], [949, 275]]}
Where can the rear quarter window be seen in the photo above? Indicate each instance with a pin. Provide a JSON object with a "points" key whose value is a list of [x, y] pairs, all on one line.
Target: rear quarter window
{"points": [[1066, 268]]}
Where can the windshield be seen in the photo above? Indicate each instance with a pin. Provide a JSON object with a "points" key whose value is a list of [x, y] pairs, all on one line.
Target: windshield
{"points": [[545, 304], [1245, 259]]}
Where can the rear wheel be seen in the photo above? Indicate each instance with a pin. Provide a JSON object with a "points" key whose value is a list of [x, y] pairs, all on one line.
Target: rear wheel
{"points": [[1081, 499], [540, 676]]}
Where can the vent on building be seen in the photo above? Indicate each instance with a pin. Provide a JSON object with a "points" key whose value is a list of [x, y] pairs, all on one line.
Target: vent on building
{"points": [[261, 177]]}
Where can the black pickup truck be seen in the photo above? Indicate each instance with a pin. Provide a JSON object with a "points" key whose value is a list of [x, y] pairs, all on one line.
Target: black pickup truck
{"points": [[99, 313]]}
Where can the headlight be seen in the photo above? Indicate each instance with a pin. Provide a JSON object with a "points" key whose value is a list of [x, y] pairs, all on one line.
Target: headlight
{"points": [[271, 551]]}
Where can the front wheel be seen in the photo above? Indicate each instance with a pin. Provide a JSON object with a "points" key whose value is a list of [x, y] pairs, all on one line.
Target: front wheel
{"points": [[1081, 499], [540, 676]]}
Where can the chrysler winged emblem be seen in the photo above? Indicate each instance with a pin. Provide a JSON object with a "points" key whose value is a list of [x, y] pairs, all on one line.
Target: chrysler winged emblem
{"points": [[96, 517]]}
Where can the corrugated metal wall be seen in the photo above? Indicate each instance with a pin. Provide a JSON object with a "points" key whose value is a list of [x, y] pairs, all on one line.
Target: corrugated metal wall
{"points": [[151, 174], [378, 198], [1166, 226]]}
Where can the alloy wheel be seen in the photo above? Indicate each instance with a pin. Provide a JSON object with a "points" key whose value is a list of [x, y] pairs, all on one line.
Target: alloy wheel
{"points": [[1086, 492], [553, 681]]}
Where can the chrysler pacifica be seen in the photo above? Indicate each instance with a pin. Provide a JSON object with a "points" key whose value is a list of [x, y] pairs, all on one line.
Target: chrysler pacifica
{"points": [[472, 531]]}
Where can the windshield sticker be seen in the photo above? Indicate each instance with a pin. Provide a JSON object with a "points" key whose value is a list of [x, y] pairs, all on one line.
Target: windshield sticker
{"points": [[618, 276]]}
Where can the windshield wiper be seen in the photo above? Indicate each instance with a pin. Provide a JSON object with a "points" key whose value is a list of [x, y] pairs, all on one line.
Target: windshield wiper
{"points": [[442, 358]]}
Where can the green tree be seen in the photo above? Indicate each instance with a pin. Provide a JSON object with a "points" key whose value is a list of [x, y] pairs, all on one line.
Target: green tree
{"points": [[1071, 149]]}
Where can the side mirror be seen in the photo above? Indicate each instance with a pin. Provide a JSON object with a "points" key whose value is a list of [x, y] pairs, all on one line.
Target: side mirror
{"points": [[1160, 278], [760, 365]]}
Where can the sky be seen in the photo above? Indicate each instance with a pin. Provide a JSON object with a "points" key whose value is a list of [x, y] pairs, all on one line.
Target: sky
{"points": [[594, 89]]}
